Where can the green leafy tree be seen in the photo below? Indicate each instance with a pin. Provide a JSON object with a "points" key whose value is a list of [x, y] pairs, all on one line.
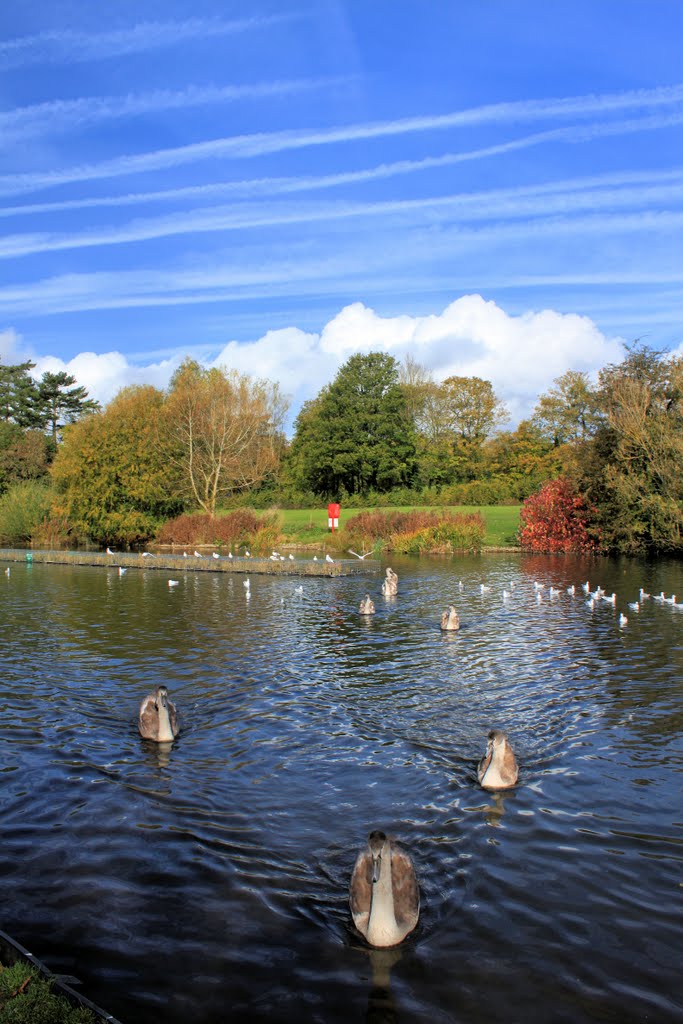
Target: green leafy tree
{"points": [[113, 473], [225, 430], [19, 396], [22, 508], [523, 458], [357, 434], [61, 403]]}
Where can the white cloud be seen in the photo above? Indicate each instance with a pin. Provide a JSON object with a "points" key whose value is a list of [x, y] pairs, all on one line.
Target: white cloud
{"points": [[67, 45], [668, 99], [104, 375], [520, 354], [10, 344]]}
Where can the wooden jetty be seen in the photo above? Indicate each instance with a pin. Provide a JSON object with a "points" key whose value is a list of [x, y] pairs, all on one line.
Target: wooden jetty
{"points": [[263, 564]]}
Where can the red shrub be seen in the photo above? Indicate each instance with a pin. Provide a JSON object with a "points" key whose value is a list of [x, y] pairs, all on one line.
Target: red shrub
{"points": [[557, 518], [237, 527]]}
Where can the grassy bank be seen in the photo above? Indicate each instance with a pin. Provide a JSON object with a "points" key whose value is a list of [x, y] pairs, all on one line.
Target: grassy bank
{"points": [[309, 526], [28, 998]]}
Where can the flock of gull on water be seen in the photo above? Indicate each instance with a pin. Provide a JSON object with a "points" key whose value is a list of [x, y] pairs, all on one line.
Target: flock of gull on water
{"points": [[384, 895]]}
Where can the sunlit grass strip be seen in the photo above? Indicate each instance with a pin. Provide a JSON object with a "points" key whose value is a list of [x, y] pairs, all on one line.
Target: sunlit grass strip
{"points": [[309, 526]]}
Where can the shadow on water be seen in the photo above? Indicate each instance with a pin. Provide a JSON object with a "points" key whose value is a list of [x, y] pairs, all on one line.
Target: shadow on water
{"points": [[209, 877]]}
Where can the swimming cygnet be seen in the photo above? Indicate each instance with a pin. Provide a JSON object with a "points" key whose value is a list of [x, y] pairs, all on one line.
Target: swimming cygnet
{"points": [[390, 584], [158, 720], [367, 606], [450, 619], [384, 894], [498, 767]]}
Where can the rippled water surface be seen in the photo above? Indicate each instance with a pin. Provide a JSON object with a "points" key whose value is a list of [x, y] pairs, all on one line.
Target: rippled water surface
{"points": [[211, 878]]}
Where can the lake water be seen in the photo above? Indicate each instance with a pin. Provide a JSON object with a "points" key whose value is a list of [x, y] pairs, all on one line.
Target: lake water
{"points": [[211, 879]]}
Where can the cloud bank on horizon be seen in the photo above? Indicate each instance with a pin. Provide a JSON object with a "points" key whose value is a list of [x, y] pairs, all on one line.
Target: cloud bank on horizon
{"points": [[521, 355]]}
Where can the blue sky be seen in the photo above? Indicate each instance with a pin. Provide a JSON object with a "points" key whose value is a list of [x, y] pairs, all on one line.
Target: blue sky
{"points": [[492, 187]]}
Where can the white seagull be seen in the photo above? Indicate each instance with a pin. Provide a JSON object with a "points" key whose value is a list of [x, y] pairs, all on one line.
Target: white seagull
{"points": [[173, 583], [328, 559]]}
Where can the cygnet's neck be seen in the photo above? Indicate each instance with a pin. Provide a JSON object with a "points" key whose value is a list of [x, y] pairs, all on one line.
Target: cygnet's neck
{"points": [[382, 927], [492, 776], [165, 730]]}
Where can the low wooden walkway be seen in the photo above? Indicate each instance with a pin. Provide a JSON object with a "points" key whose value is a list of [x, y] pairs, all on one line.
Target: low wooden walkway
{"points": [[308, 566]]}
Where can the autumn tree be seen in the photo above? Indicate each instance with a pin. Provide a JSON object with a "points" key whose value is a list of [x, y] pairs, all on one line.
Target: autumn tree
{"points": [[356, 435], [631, 467], [456, 418], [225, 430], [558, 519], [115, 481], [24, 455], [569, 411]]}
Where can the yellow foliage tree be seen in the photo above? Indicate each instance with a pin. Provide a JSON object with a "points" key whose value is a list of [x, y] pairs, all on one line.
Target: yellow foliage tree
{"points": [[114, 480], [225, 429]]}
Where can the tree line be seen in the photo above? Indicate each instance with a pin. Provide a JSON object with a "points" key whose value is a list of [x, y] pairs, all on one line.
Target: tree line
{"points": [[380, 432]]}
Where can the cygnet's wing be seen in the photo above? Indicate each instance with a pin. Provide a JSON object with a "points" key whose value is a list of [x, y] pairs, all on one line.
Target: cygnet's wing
{"points": [[360, 891], [508, 769], [406, 889], [148, 722]]}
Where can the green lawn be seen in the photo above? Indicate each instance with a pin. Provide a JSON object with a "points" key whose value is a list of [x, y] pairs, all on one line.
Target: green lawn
{"points": [[309, 526]]}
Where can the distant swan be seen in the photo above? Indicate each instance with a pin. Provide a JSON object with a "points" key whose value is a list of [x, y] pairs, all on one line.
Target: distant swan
{"points": [[384, 894], [390, 584], [450, 619], [498, 767], [158, 720], [367, 606]]}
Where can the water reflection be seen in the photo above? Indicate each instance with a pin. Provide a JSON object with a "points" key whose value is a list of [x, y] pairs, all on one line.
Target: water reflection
{"points": [[303, 726], [382, 1008]]}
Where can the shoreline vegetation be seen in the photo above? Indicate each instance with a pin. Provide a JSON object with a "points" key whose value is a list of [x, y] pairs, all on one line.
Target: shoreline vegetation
{"points": [[381, 530], [403, 530]]}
